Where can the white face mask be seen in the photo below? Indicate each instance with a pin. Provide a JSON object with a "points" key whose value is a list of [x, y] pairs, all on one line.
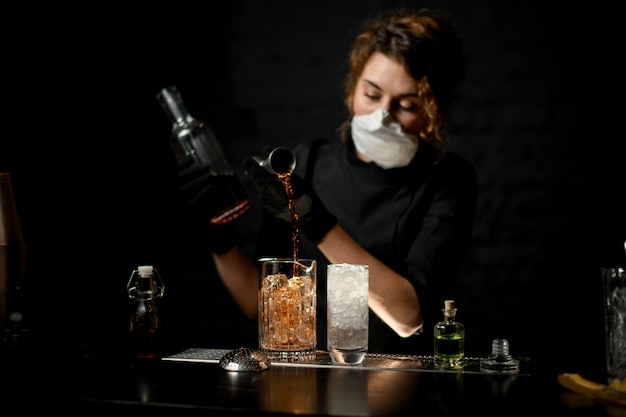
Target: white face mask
{"points": [[382, 140]]}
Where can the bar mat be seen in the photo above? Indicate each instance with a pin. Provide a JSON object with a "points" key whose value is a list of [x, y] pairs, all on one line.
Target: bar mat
{"points": [[373, 361]]}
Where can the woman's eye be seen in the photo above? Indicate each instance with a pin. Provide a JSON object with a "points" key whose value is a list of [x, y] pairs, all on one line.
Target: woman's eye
{"points": [[372, 96], [407, 106]]}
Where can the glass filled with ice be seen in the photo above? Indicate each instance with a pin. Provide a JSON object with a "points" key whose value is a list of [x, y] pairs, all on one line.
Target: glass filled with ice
{"points": [[287, 309], [347, 312], [614, 285]]}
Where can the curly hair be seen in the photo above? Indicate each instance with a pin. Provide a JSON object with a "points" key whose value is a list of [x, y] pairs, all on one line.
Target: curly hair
{"points": [[426, 44]]}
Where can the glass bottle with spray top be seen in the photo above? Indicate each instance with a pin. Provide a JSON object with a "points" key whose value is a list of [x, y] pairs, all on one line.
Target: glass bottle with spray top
{"points": [[194, 142], [449, 339]]}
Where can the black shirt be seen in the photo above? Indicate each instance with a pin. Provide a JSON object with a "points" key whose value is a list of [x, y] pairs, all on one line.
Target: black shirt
{"points": [[416, 219]]}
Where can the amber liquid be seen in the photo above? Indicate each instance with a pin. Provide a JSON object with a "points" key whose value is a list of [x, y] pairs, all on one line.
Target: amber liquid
{"points": [[287, 313], [285, 178], [145, 325], [227, 188], [145, 345]]}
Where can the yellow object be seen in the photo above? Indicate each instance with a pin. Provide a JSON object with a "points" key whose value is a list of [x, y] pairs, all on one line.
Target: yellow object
{"points": [[614, 393], [578, 384], [619, 385]]}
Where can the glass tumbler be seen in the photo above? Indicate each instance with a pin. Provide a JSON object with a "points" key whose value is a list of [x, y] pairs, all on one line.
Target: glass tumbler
{"points": [[614, 290], [287, 309], [347, 312]]}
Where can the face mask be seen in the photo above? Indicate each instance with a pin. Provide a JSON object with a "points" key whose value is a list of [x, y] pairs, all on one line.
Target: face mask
{"points": [[382, 140]]}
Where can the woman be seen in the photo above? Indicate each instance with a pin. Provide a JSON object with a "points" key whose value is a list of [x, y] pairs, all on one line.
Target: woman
{"points": [[388, 194]]}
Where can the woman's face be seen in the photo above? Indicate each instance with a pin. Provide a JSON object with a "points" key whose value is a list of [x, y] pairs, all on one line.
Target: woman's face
{"points": [[385, 84]]}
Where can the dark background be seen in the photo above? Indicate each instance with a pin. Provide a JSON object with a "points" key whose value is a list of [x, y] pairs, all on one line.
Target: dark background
{"points": [[94, 179]]}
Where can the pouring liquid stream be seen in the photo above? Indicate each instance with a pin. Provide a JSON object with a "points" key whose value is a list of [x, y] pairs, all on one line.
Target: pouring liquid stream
{"points": [[285, 179]]}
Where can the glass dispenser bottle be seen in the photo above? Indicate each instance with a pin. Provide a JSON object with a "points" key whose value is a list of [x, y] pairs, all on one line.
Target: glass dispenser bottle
{"points": [[194, 139], [449, 339], [12, 262], [145, 287]]}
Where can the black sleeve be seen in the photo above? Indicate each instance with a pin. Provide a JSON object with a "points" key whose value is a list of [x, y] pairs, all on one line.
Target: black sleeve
{"points": [[438, 251]]}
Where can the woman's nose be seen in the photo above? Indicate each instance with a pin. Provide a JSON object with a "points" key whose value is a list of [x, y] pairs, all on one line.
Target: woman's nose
{"points": [[388, 118], [389, 114], [386, 105]]}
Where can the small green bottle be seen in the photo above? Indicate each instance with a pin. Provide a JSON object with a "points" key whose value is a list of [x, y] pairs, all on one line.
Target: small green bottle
{"points": [[449, 339]]}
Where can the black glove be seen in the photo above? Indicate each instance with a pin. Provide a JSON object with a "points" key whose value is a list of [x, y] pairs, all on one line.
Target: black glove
{"points": [[314, 219], [196, 183]]}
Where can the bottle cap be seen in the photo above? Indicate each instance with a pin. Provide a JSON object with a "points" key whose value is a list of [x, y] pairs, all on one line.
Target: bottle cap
{"points": [[449, 304], [145, 270], [172, 103]]}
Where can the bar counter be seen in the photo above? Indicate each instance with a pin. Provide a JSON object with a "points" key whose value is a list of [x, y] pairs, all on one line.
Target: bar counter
{"points": [[85, 379]]}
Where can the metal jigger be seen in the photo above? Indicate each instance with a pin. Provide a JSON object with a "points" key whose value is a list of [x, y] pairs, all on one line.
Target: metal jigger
{"points": [[279, 161]]}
